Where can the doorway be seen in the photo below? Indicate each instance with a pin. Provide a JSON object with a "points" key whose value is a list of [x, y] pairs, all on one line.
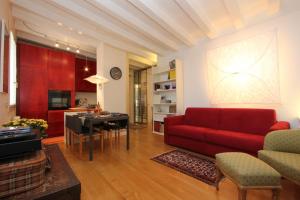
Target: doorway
{"points": [[140, 107]]}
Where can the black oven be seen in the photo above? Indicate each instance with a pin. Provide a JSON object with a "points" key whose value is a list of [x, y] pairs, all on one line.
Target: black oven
{"points": [[59, 99]]}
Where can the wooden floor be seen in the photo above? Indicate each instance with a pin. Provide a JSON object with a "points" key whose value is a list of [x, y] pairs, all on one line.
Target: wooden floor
{"points": [[120, 174], [53, 140]]}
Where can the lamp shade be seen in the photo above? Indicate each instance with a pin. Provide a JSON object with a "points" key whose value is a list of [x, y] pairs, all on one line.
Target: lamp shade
{"points": [[96, 79]]}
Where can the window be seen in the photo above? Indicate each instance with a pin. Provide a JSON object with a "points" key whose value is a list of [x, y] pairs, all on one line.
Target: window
{"points": [[12, 70]]}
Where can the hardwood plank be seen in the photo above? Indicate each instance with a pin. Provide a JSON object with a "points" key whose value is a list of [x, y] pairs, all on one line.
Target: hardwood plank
{"points": [[120, 174]]}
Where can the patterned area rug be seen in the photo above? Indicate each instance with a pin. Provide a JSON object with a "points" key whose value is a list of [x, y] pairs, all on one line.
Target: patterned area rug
{"points": [[195, 165]]}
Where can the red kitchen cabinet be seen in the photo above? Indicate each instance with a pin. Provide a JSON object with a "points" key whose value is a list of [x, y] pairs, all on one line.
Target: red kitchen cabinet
{"points": [[80, 74], [33, 83], [55, 123], [39, 70], [61, 72]]}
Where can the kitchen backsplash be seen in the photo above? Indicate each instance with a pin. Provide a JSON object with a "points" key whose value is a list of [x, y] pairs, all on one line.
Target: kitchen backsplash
{"points": [[86, 98]]}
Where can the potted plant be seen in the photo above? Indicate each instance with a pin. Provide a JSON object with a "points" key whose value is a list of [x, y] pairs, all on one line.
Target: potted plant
{"points": [[38, 126]]}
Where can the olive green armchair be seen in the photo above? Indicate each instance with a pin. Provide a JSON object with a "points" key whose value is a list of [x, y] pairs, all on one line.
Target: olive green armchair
{"points": [[282, 152]]}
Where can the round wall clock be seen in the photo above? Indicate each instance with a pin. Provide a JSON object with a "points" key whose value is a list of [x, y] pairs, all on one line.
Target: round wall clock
{"points": [[116, 73]]}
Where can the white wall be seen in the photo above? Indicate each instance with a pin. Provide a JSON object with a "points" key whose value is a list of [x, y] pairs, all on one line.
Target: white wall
{"points": [[90, 96], [6, 112], [288, 30], [149, 95], [115, 91]]}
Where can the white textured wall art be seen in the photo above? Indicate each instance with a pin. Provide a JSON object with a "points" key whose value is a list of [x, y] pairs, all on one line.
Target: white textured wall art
{"points": [[245, 72]]}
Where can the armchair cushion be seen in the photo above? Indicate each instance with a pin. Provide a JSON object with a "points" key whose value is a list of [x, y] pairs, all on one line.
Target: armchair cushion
{"points": [[283, 140], [287, 164], [247, 170]]}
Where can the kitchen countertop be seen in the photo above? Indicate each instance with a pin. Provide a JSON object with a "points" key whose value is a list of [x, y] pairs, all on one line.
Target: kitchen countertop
{"points": [[79, 109]]}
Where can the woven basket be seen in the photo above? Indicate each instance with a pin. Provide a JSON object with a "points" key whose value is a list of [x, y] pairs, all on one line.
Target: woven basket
{"points": [[23, 174]]}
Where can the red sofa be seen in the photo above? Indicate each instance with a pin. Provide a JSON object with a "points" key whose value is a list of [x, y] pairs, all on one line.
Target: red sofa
{"points": [[214, 130]]}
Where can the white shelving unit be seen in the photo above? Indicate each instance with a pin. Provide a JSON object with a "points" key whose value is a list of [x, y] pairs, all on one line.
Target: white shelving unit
{"points": [[167, 93]]}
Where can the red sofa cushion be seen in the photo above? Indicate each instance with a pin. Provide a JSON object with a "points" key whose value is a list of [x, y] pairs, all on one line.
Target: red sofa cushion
{"points": [[236, 140], [204, 117], [255, 121], [191, 132]]}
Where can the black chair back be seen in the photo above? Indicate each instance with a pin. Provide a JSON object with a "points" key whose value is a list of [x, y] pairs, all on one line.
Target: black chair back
{"points": [[76, 124], [68, 121], [122, 124]]}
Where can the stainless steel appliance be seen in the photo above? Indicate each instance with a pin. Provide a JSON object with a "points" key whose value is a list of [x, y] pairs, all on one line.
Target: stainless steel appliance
{"points": [[59, 99]]}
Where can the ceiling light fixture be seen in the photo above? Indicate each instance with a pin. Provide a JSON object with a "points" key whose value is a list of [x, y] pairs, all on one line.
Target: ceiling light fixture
{"points": [[97, 79], [86, 67], [57, 42]]}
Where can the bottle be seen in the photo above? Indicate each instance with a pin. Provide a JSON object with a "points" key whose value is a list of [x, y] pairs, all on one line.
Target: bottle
{"points": [[98, 108]]}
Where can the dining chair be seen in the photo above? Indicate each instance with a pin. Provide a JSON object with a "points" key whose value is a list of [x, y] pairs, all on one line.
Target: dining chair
{"points": [[116, 127], [68, 130], [107, 128], [99, 130], [81, 133]]}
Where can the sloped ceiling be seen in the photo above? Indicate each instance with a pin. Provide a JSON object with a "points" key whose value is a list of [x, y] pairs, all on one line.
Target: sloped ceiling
{"points": [[142, 27]]}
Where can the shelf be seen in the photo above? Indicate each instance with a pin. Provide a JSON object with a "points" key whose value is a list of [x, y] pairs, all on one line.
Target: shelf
{"points": [[163, 72], [161, 113], [166, 81], [158, 133], [169, 104], [166, 100], [169, 90]]}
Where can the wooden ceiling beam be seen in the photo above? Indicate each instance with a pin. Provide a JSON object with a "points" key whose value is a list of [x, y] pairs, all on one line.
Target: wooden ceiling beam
{"points": [[274, 7], [134, 21], [42, 9], [152, 10], [198, 16], [235, 13], [79, 9]]}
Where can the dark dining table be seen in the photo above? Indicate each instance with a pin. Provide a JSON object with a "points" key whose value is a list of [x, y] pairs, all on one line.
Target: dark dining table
{"points": [[92, 120]]}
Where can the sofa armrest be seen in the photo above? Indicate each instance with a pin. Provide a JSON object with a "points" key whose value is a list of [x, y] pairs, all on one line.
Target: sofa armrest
{"points": [[174, 120], [170, 121], [283, 140], [281, 125]]}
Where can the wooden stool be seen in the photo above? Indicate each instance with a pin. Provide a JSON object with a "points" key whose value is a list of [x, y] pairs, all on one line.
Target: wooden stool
{"points": [[247, 172]]}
